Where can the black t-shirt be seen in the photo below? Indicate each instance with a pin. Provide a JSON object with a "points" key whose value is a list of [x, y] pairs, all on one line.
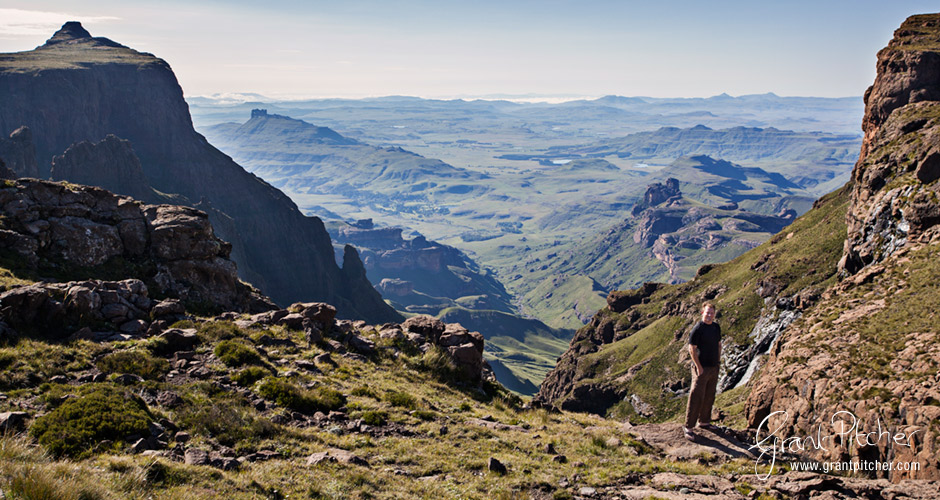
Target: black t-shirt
{"points": [[707, 338]]}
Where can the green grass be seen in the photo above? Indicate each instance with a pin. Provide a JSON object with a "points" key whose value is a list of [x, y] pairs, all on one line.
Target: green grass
{"points": [[136, 362], [79, 425]]}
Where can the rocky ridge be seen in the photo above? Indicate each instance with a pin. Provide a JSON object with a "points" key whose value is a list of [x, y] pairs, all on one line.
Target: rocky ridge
{"points": [[279, 250], [68, 230]]}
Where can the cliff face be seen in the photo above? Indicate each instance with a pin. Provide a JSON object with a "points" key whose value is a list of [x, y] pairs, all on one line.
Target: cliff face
{"points": [[895, 196], [871, 346], [110, 164], [77, 88], [19, 154], [857, 335]]}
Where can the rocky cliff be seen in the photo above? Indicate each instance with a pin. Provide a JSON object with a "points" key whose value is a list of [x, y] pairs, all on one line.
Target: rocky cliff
{"points": [[844, 301], [68, 231], [870, 347], [78, 88]]}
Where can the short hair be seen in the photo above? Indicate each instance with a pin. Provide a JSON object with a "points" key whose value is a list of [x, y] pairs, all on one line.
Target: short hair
{"points": [[707, 305]]}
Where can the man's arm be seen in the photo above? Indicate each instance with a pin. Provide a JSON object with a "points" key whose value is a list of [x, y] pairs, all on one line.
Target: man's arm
{"points": [[693, 351]]}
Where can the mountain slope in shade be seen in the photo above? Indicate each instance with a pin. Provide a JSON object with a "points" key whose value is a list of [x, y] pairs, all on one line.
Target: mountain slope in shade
{"points": [[78, 88]]}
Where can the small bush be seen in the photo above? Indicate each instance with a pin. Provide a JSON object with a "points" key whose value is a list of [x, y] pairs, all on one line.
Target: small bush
{"points": [[402, 399], [218, 330], [134, 362], [365, 391], [375, 418], [425, 415], [227, 418], [439, 364], [233, 354], [105, 413], [249, 376], [288, 395]]}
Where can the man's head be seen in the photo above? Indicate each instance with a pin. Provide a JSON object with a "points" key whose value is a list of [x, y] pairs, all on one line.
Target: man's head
{"points": [[708, 313]]}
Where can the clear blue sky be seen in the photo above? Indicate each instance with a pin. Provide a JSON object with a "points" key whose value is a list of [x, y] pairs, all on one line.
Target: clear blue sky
{"points": [[443, 48]]}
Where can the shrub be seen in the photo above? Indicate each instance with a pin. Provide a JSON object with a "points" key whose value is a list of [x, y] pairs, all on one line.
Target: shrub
{"points": [[374, 417], [104, 413], [249, 376], [134, 362], [402, 399], [234, 353], [439, 364], [227, 418], [288, 395], [218, 330], [425, 415], [365, 391]]}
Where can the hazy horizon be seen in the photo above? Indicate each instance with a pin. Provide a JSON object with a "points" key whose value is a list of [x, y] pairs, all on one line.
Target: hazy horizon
{"points": [[557, 49]]}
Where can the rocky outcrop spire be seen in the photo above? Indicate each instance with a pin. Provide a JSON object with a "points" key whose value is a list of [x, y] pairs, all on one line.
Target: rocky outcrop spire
{"points": [[69, 32]]}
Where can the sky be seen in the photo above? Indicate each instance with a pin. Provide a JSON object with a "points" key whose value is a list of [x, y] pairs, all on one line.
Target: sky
{"points": [[456, 48]]}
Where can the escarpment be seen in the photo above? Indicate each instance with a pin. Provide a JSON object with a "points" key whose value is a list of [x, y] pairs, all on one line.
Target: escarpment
{"points": [[78, 88]]}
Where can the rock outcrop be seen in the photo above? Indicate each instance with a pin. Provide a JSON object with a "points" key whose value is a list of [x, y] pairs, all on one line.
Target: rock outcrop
{"points": [[110, 164], [895, 196], [78, 88], [19, 153], [63, 228]]}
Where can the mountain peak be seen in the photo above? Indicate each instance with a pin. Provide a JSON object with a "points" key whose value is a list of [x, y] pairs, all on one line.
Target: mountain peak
{"points": [[69, 32]]}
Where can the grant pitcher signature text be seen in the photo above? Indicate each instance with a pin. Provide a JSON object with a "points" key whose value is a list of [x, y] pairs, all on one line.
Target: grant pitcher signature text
{"points": [[770, 443]]}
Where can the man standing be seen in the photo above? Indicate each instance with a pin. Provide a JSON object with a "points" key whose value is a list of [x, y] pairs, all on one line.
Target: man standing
{"points": [[705, 349]]}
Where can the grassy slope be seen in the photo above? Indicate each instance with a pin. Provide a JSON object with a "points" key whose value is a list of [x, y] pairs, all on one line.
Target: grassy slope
{"points": [[803, 255], [445, 457]]}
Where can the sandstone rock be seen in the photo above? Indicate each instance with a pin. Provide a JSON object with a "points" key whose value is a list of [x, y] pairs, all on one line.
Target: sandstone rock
{"points": [[167, 308], [324, 359], [135, 327], [89, 226], [312, 331], [315, 311], [362, 345], [169, 399], [426, 326], [195, 456], [13, 421], [494, 465], [336, 455], [294, 321]]}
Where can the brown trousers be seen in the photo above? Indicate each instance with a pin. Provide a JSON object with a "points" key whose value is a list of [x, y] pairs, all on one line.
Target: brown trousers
{"points": [[701, 396]]}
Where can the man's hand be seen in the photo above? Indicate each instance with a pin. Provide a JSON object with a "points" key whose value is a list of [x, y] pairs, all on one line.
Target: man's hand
{"points": [[693, 352]]}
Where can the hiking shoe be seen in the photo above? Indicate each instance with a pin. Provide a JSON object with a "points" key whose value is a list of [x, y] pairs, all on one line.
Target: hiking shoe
{"points": [[708, 427], [689, 434]]}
